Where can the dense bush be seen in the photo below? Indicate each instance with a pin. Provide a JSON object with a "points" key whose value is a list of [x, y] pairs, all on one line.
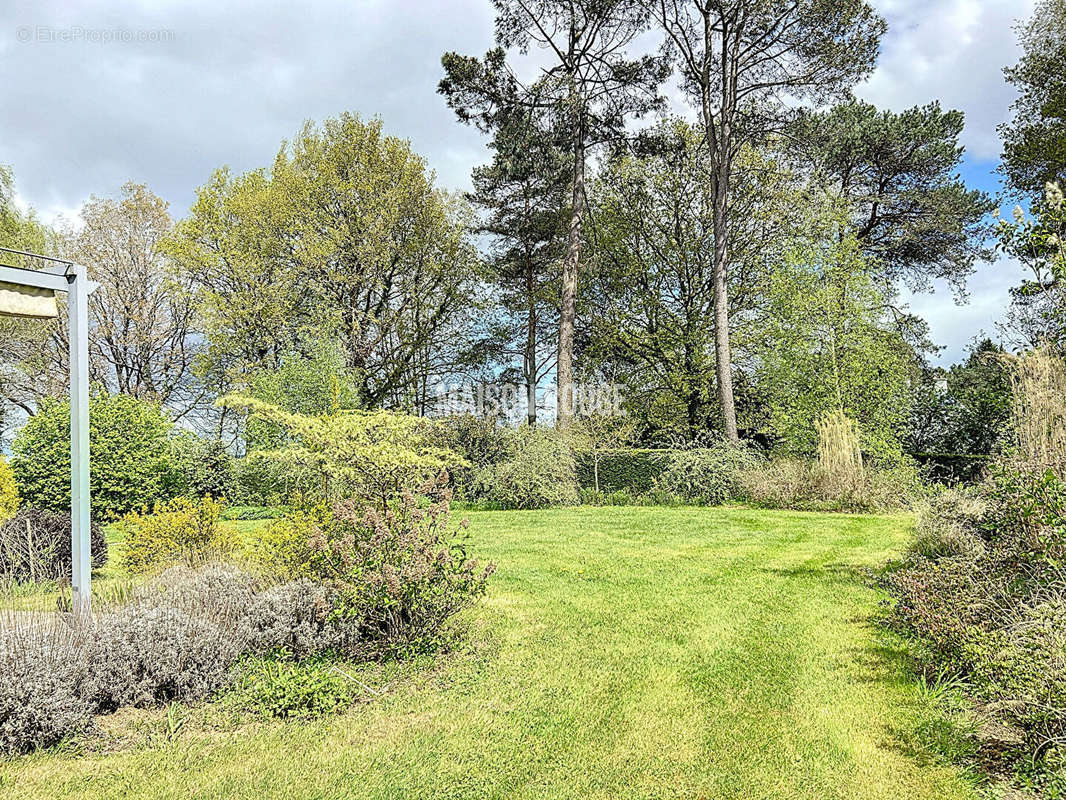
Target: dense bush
{"points": [[481, 442], [541, 473], [631, 470], [131, 458], [178, 530], [707, 475], [41, 668], [35, 546], [370, 455], [397, 576], [204, 467], [9, 495], [271, 479], [981, 592], [178, 637]]}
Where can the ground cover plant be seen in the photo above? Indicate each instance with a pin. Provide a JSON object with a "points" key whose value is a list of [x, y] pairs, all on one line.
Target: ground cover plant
{"points": [[754, 670]]}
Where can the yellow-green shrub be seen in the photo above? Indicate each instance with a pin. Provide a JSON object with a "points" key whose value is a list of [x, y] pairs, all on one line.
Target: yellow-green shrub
{"points": [[9, 496], [178, 530]]}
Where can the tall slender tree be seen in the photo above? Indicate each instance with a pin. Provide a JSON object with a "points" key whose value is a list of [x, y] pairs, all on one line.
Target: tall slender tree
{"points": [[586, 93], [744, 63], [522, 196]]}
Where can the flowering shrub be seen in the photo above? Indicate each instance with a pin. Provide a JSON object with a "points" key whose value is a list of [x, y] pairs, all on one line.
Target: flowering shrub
{"points": [[180, 529], [398, 575], [9, 496]]}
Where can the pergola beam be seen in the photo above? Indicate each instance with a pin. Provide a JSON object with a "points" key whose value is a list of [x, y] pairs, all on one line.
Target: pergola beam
{"points": [[71, 278]]}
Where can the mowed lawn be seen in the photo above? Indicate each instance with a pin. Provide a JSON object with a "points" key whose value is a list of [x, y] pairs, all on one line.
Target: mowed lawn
{"points": [[621, 653]]}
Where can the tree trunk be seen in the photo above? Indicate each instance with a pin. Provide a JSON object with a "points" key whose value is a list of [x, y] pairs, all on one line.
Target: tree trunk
{"points": [[531, 347], [568, 299], [723, 359]]}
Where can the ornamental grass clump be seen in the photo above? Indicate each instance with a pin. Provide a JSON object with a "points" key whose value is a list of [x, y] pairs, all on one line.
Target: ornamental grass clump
{"points": [[839, 453], [1039, 382]]}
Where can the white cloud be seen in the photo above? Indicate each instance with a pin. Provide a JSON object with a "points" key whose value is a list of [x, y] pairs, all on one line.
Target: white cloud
{"points": [[954, 51]]}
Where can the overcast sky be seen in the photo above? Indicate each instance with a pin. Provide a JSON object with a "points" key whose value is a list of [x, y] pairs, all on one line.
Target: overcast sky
{"points": [[98, 93]]}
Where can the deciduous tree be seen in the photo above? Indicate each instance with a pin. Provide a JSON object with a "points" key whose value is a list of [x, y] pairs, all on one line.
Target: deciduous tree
{"points": [[741, 63]]}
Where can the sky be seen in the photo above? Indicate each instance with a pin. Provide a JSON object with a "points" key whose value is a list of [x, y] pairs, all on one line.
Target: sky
{"points": [[163, 93]]}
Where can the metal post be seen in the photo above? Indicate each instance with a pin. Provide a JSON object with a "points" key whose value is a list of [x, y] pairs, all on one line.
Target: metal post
{"points": [[81, 561]]}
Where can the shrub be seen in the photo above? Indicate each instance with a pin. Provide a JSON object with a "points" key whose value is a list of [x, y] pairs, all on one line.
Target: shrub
{"points": [[131, 463], [253, 513], [541, 474], [204, 467], [297, 619], [180, 529], [148, 654], [287, 690], [480, 442], [397, 576], [35, 546], [708, 475], [370, 455], [41, 667], [9, 496], [182, 634], [632, 470], [981, 593]]}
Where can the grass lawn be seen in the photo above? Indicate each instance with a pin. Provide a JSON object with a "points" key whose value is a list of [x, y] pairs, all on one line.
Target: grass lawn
{"points": [[621, 653]]}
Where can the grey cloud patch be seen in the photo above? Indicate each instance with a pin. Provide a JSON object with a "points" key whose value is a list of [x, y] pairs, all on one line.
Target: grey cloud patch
{"points": [[226, 89]]}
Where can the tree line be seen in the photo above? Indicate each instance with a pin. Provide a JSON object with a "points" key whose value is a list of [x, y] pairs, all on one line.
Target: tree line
{"points": [[713, 220]]}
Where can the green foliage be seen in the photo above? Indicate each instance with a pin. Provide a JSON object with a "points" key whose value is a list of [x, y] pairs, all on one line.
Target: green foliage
{"points": [[398, 575], [629, 469], [178, 530], [708, 475], [963, 410], [911, 213], [205, 468], [272, 478], [371, 455], [1034, 140], [288, 690], [9, 494], [541, 474], [131, 461], [980, 591], [253, 512], [826, 345], [1038, 311], [480, 442], [343, 240]]}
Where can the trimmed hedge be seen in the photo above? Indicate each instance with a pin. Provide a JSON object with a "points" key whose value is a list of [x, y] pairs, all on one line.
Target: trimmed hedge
{"points": [[632, 469]]}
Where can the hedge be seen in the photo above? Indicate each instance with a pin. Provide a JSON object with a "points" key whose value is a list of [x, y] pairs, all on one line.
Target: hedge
{"points": [[952, 467], [631, 468]]}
